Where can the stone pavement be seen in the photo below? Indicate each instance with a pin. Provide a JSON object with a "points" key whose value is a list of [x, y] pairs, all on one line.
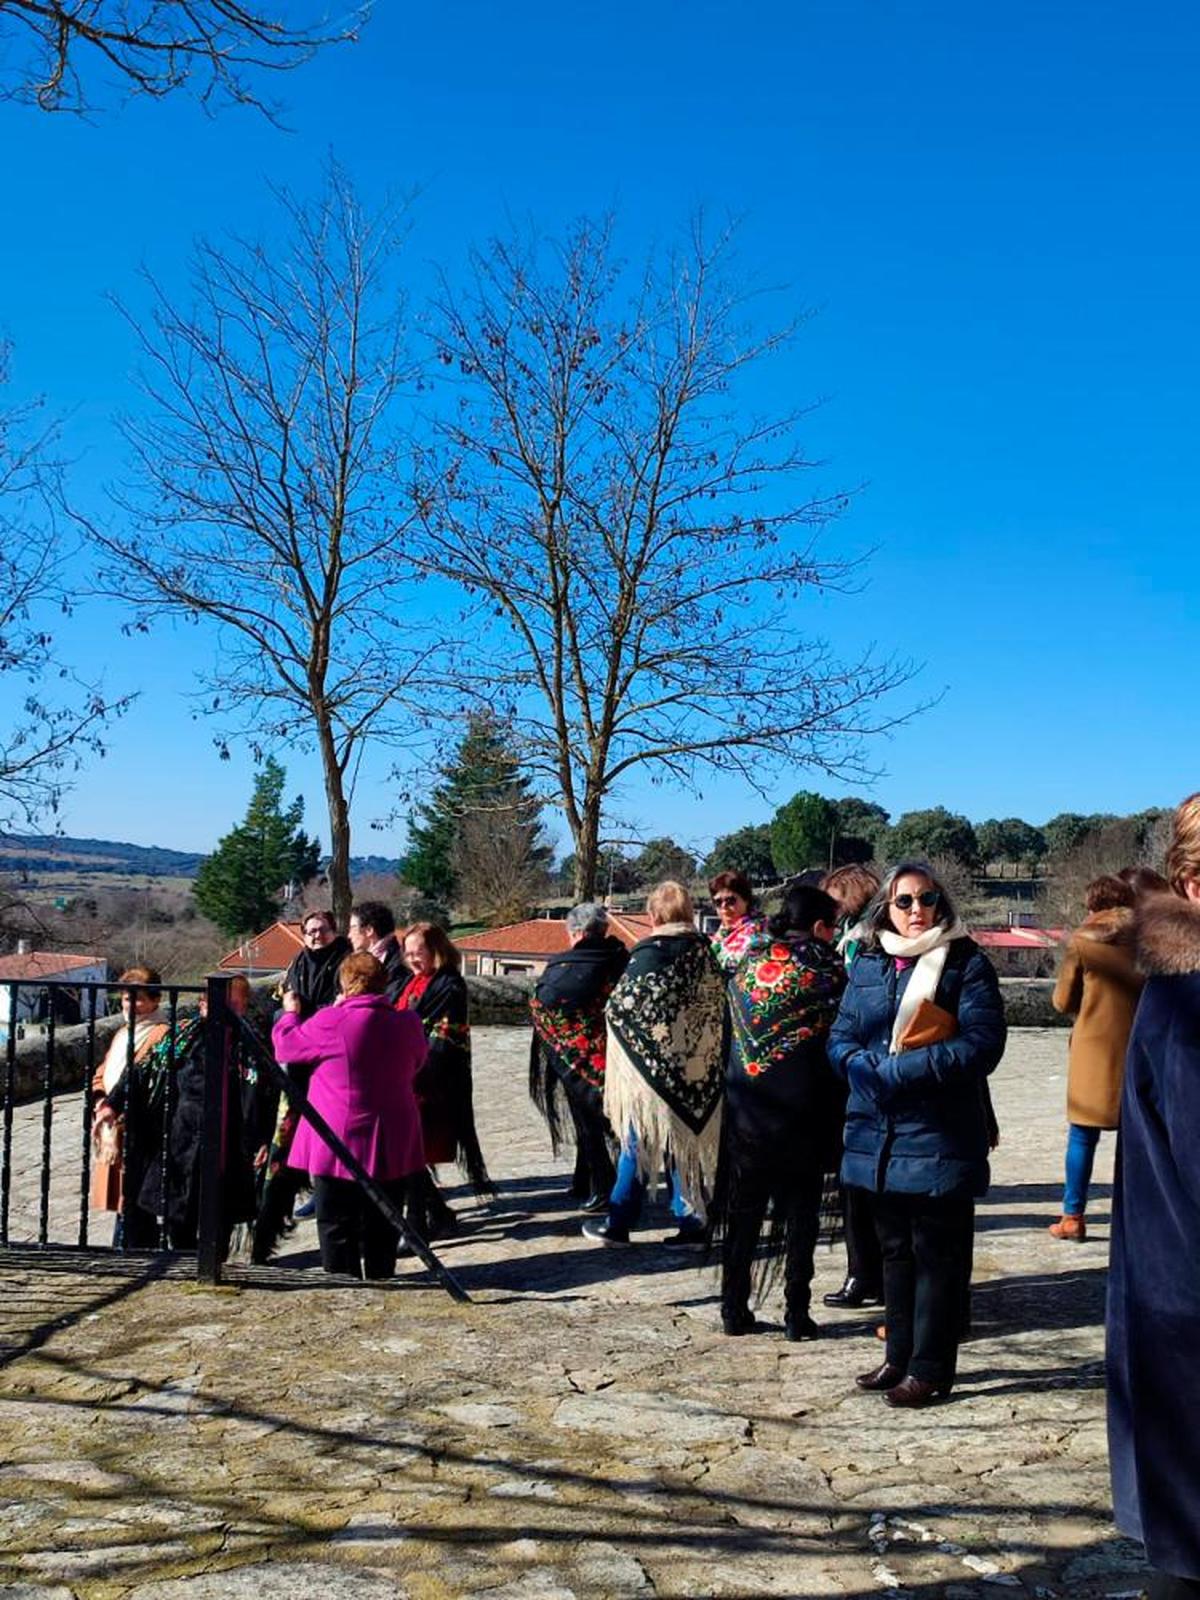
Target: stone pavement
{"points": [[582, 1429]]}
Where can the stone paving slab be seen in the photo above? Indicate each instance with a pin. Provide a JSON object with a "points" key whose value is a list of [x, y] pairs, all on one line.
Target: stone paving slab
{"points": [[581, 1429]]}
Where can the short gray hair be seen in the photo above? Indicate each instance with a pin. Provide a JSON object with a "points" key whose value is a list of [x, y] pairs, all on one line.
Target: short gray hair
{"points": [[588, 918]]}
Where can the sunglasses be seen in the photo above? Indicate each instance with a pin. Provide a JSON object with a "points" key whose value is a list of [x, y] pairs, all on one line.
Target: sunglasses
{"points": [[721, 900], [927, 897]]}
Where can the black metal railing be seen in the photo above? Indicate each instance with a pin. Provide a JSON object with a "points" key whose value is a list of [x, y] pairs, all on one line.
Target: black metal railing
{"points": [[59, 1066], [65, 1080]]}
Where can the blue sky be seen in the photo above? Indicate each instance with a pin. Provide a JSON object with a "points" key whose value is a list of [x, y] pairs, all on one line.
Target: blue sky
{"points": [[993, 213]]}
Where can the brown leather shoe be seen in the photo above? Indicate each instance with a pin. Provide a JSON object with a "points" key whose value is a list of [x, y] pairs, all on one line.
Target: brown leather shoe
{"points": [[884, 1377], [1072, 1228], [916, 1392]]}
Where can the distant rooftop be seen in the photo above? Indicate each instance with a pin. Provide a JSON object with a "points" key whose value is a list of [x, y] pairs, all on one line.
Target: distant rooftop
{"points": [[547, 936], [34, 965]]}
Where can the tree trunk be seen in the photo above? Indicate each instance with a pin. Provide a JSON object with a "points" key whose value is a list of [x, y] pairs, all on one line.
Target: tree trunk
{"points": [[587, 851], [339, 826]]}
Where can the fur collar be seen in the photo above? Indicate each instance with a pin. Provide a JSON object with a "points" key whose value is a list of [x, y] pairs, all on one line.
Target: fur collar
{"points": [[1108, 927], [1168, 935]]}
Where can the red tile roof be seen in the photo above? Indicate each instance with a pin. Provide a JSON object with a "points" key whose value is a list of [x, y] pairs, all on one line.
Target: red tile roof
{"points": [[1019, 938], [270, 951], [37, 964], [547, 936]]}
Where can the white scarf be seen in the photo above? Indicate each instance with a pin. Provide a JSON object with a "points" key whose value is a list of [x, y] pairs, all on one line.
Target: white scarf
{"points": [[118, 1051], [929, 951]]}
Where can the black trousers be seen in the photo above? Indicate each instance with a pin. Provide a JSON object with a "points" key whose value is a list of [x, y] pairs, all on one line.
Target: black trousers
{"points": [[593, 1139], [793, 1189], [426, 1207], [354, 1235], [926, 1245], [864, 1260]]}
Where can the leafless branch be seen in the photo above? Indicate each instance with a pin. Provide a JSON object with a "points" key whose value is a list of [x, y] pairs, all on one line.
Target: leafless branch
{"points": [[156, 47], [263, 499], [640, 543]]}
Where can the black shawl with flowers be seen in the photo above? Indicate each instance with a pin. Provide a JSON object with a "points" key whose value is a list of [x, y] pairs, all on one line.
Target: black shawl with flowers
{"points": [[668, 1034], [783, 997], [569, 1039]]}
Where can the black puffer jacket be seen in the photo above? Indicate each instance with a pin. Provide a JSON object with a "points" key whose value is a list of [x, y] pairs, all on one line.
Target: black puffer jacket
{"points": [[918, 1122]]}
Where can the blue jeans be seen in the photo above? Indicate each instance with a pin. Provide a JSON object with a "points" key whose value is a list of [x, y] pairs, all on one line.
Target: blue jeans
{"points": [[629, 1192], [1081, 1154]]}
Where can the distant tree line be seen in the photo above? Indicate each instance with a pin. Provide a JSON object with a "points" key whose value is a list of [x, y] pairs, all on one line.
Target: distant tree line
{"points": [[812, 831]]}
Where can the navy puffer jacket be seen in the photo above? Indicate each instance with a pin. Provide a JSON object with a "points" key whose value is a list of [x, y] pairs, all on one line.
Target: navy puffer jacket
{"points": [[917, 1122]]}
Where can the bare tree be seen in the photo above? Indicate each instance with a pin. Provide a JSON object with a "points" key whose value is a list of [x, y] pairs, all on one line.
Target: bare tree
{"points": [[500, 862], [643, 542], [155, 47], [263, 501], [52, 720]]}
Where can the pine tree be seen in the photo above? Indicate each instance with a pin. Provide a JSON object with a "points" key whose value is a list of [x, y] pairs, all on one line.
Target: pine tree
{"points": [[483, 794], [240, 885]]}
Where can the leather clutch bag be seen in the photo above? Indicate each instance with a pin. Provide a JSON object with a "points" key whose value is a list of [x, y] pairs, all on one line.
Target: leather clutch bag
{"points": [[929, 1024]]}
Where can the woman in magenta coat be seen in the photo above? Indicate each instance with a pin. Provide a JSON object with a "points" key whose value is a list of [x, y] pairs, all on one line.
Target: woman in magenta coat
{"points": [[364, 1057]]}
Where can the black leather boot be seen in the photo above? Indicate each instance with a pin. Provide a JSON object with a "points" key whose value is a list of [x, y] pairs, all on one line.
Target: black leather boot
{"points": [[852, 1294]]}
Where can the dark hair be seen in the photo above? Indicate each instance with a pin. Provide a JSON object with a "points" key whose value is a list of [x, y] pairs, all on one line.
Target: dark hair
{"points": [[735, 882], [375, 915], [320, 916], [877, 917], [1144, 880], [1108, 892], [437, 941], [803, 907]]}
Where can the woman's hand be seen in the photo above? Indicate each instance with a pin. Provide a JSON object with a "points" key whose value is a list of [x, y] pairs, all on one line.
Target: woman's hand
{"points": [[102, 1112], [291, 1003]]}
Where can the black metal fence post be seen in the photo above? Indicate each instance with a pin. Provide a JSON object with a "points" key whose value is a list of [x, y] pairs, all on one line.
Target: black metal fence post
{"points": [[210, 1242]]}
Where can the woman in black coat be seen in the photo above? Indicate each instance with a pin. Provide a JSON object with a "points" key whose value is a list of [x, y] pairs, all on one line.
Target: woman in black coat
{"points": [[437, 992], [1154, 1274], [569, 1045], [920, 1027]]}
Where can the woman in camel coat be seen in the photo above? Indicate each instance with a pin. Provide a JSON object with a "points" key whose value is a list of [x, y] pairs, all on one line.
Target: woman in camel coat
{"points": [[1099, 986]]}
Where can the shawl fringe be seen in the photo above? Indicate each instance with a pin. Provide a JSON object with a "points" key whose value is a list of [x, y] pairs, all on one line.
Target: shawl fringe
{"points": [[630, 1102], [545, 1085]]}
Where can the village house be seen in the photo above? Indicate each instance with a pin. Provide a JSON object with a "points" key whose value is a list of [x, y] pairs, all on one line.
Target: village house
{"points": [[26, 1003]]}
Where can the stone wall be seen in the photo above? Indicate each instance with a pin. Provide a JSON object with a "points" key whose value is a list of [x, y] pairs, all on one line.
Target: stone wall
{"points": [[495, 1002]]}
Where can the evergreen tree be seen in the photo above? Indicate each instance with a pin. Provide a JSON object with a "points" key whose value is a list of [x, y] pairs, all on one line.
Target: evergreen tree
{"points": [[240, 885], [802, 832], [482, 789], [663, 858], [747, 850], [922, 835]]}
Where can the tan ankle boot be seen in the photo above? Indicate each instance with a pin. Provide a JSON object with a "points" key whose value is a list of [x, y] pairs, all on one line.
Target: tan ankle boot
{"points": [[1072, 1228]]}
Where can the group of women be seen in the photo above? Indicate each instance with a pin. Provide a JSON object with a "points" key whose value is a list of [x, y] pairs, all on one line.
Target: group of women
{"points": [[388, 1072], [851, 1034]]}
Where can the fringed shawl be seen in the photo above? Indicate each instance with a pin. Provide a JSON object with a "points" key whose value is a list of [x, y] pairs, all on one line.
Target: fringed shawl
{"points": [[569, 1036], [667, 1040]]}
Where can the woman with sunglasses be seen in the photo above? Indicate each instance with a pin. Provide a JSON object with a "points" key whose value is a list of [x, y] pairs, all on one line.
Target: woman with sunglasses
{"points": [[920, 1027], [741, 921]]}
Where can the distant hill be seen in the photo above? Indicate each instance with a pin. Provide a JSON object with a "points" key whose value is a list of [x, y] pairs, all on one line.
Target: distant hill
{"points": [[37, 855], [47, 853]]}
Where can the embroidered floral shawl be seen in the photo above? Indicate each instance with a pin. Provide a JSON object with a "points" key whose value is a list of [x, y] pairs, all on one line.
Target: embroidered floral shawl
{"points": [[667, 1039], [784, 993]]}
